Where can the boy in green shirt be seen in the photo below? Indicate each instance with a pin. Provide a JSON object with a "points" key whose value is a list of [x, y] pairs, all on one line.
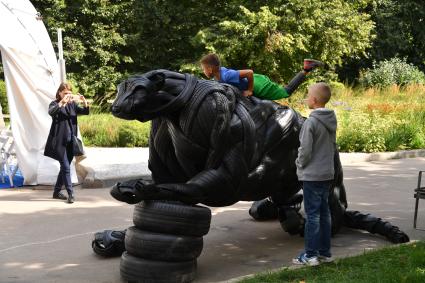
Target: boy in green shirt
{"points": [[254, 84]]}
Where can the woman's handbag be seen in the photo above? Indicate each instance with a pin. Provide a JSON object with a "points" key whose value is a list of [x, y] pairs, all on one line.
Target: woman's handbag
{"points": [[77, 146]]}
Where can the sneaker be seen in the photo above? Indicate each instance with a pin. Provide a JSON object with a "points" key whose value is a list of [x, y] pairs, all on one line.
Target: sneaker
{"points": [[71, 199], [302, 259], [311, 64], [59, 196], [323, 258]]}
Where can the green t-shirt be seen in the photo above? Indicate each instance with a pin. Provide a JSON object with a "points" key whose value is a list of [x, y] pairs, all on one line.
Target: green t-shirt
{"points": [[266, 89]]}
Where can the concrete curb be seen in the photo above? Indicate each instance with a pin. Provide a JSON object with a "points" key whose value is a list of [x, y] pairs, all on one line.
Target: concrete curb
{"points": [[347, 158], [105, 166]]}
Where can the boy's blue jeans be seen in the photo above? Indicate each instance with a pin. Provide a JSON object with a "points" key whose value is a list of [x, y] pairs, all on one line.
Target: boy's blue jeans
{"points": [[317, 233]]}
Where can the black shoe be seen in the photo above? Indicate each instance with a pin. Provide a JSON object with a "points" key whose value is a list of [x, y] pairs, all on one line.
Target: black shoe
{"points": [[71, 199], [59, 196], [311, 64]]}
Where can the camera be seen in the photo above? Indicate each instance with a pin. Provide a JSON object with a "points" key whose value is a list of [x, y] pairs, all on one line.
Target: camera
{"points": [[74, 97]]}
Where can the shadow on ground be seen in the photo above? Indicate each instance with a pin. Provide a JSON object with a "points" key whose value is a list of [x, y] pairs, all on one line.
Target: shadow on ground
{"points": [[45, 240]]}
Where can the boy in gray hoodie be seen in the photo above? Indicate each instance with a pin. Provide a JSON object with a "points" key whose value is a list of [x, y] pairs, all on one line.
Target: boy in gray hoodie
{"points": [[315, 168]]}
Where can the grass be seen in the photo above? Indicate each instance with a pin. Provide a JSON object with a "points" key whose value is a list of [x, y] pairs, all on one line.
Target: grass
{"points": [[369, 120], [398, 264], [104, 130], [374, 120]]}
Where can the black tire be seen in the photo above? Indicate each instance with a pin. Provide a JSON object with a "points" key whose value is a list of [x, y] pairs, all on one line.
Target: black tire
{"points": [[134, 269], [291, 221], [263, 209], [162, 247], [336, 208], [109, 243], [172, 218]]}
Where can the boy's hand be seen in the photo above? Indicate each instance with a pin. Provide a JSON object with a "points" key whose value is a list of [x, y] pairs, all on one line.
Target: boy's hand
{"points": [[247, 93]]}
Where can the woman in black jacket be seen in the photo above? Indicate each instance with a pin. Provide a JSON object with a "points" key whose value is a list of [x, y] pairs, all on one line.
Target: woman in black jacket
{"points": [[64, 111]]}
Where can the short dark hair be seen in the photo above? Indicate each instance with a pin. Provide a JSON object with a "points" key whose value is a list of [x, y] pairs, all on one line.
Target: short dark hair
{"points": [[211, 60]]}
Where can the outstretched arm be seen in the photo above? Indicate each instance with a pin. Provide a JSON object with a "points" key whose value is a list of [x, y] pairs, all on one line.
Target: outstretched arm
{"points": [[249, 75], [82, 110]]}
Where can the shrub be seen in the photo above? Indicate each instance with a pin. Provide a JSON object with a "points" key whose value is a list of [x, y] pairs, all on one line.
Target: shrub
{"points": [[409, 133], [362, 133], [376, 132], [392, 72], [104, 130], [3, 97], [386, 119], [371, 120]]}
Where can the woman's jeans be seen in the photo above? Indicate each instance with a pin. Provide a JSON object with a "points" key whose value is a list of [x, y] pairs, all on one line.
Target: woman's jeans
{"points": [[64, 177], [317, 233]]}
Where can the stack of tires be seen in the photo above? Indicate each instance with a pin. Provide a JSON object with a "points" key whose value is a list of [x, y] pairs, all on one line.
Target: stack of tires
{"points": [[165, 242]]}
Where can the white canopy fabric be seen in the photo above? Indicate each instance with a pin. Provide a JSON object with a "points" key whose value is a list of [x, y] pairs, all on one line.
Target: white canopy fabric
{"points": [[32, 78]]}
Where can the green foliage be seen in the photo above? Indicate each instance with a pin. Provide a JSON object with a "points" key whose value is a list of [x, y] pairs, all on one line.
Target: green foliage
{"points": [[105, 40], [362, 133], [408, 133], [375, 120], [104, 130], [394, 71], [3, 98], [160, 32], [400, 32], [93, 40], [371, 120], [275, 39]]}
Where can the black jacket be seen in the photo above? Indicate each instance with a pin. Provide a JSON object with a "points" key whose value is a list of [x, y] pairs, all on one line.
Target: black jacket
{"points": [[62, 118]]}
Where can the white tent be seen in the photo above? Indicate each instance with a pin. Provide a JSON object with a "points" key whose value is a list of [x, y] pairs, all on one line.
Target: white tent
{"points": [[32, 77]]}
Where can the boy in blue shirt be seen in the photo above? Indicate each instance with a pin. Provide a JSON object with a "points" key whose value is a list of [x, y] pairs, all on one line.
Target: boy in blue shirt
{"points": [[251, 83]]}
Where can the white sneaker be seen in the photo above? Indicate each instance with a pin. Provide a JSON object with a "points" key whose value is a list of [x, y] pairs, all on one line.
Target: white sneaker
{"points": [[302, 259], [326, 259]]}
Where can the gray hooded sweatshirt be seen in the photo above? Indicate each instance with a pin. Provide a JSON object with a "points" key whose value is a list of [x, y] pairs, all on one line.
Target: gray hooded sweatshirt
{"points": [[315, 160]]}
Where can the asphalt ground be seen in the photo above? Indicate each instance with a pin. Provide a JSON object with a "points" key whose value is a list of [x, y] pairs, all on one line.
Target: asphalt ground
{"points": [[46, 240]]}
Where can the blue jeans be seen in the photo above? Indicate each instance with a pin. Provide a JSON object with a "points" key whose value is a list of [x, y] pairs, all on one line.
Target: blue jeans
{"points": [[64, 176], [317, 233]]}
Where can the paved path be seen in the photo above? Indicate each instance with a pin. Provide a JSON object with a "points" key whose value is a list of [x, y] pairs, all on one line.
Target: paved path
{"points": [[45, 240]]}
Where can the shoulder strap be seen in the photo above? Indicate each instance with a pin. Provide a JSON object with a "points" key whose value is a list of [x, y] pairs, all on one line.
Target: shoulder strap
{"points": [[69, 122]]}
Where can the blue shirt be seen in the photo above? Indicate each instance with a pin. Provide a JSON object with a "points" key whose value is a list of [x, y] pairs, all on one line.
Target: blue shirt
{"points": [[230, 76]]}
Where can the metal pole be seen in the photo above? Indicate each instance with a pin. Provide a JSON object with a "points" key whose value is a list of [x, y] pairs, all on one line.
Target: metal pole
{"points": [[61, 61]]}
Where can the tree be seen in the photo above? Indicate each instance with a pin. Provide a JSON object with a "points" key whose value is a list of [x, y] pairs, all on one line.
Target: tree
{"points": [[275, 39], [400, 30], [400, 26], [93, 40], [105, 40], [161, 31]]}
